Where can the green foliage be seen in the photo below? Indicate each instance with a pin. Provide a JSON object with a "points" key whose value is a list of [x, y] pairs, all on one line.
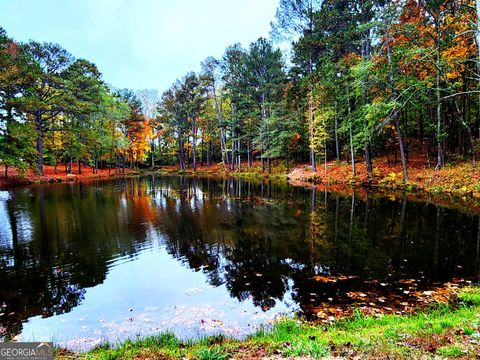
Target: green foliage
{"points": [[213, 353], [16, 146], [367, 76]]}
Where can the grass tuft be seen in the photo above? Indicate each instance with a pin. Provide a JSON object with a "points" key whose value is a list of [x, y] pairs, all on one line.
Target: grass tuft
{"points": [[450, 351], [470, 296], [213, 353]]}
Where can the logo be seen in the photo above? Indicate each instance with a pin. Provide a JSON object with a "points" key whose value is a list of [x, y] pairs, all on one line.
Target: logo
{"points": [[26, 351]]}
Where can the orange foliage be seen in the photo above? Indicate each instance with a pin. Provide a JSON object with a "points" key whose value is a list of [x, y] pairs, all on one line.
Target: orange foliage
{"points": [[138, 133], [417, 31]]}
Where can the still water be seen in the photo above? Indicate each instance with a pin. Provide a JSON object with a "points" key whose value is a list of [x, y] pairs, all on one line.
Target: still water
{"points": [[104, 261]]}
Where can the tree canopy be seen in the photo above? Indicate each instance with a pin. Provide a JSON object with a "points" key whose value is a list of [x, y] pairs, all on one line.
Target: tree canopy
{"points": [[363, 79]]}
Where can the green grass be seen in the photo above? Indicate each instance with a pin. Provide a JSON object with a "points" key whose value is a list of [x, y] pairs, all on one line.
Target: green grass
{"points": [[446, 331], [450, 351]]}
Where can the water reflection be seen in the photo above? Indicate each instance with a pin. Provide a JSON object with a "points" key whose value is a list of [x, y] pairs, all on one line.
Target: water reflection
{"points": [[262, 241]]}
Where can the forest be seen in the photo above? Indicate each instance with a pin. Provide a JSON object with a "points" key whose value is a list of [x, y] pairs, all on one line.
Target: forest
{"points": [[359, 80]]}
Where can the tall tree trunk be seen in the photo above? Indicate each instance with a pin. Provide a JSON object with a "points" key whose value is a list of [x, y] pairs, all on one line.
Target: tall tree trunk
{"points": [[440, 155], [402, 149], [248, 154], [225, 160], [368, 160], [262, 159], [181, 155], [262, 129], [397, 124], [312, 132], [152, 149], [194, 143], [352, 148], [337, 144], [477, 37], [239, 166], [38, 122], [234, 147], [9, 120], [208, 152], [368, 154], [201, 150], [325, 159], [223, 137], [310, 95], [124, 160]]}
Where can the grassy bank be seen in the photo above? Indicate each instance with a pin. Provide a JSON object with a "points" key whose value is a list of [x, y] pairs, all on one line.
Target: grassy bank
{"points": [[450, 331]]}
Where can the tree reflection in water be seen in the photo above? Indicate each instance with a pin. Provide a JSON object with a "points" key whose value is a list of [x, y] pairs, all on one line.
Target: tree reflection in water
{"points": [[259, 239]]}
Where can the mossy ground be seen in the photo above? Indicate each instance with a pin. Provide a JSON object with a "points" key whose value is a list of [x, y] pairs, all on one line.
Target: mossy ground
{"points": [[445, 331]]}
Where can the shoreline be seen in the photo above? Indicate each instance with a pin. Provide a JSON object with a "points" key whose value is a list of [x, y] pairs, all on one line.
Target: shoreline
{"points": [[457, 184], [16, 179], [444, 330]]}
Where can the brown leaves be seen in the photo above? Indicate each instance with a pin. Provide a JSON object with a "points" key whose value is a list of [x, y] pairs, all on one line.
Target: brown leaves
{"points": [[377, 298], [333, 279]]}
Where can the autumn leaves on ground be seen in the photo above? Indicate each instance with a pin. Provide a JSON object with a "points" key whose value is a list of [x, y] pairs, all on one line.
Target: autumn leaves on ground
{"points": [[459, 179], [61, 174]]}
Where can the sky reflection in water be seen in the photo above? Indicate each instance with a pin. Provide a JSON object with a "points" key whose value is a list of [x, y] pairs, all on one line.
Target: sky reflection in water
{"points": [[81, 263]]}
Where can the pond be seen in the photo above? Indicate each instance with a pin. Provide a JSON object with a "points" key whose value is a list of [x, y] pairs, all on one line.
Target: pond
{"points": [[85, 263]]}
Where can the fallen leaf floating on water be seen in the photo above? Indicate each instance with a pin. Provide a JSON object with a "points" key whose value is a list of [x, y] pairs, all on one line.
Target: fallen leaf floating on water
{"points": [[377, 300], [357, 294], [407, 281], [333, 279], [217, 322], [190, 291]]}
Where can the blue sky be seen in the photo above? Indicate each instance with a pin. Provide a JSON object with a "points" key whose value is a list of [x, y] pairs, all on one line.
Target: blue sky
{"points": [[140, 44]]}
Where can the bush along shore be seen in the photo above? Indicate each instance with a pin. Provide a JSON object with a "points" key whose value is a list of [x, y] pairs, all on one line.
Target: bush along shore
{"points": [[445, 330]]}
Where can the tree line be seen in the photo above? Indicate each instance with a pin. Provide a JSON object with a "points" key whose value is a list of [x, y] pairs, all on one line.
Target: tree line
{"points": [[363, 79], [57, 109]]}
